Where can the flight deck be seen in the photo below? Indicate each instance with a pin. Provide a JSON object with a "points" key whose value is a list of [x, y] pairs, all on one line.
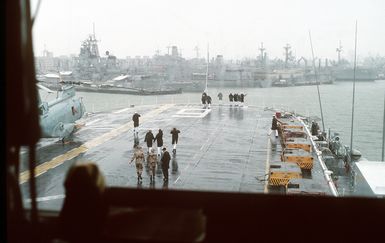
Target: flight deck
{"points": [[225, 148]]}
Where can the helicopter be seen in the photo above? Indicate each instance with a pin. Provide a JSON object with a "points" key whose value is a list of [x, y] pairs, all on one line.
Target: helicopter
{"points": [[58, 116]]}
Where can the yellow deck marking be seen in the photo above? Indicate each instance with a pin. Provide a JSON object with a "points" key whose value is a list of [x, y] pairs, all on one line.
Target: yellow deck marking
{"points": [[44, 167], [268, 154]]}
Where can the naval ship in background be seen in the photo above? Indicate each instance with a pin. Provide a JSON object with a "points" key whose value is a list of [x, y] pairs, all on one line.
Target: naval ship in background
{"points": [[92, 72], [344, 71], [171, 73]]}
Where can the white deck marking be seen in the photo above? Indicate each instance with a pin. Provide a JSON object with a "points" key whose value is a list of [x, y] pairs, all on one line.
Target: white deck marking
{"points": [[192, 113], [120, 111], [44, 167]]}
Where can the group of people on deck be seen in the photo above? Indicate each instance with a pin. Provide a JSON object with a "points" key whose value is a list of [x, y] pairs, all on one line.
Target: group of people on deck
{"points": [[152, 156], [237, 99]]}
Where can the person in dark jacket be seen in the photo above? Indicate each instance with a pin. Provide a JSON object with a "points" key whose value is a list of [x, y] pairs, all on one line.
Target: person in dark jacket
{"points": [[236, 99], [231, 98], [148, 139], [242, 98], [204, 99], [135, 118], [314, 128], [165, 163], [159, 140], [175, 134], [274, 126], [208, 98]]}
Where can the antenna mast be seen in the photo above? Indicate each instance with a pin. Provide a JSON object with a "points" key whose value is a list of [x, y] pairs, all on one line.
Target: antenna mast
{"points": [[339, 50], [207, 69], [93, 28], [287, 54], [354, 91], [262, 55], [197, 51], [316, 80]]}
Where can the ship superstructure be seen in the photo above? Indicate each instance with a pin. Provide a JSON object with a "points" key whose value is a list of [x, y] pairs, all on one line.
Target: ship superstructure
{"points": [[90, 65]]}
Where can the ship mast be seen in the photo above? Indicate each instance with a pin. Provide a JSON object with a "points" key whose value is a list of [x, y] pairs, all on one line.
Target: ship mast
{"points": [[262, 55], [339, 50], [354, 91], [287, 54], [94, 43], [196, 49], [207, 69], [316, 80]]}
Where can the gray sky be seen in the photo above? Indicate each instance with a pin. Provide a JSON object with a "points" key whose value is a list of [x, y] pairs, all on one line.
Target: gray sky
{"points": [[233, 28]]}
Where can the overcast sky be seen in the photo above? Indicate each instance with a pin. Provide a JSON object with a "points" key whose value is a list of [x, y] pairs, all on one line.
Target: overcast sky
{"points": [[233, 28]]}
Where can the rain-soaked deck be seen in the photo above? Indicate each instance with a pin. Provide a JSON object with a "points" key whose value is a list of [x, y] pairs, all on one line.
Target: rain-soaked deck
{"points": [[226, 148]]}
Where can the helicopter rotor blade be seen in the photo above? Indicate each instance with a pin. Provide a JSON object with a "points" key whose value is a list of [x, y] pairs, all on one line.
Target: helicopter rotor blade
{"points": [[44, 88]]}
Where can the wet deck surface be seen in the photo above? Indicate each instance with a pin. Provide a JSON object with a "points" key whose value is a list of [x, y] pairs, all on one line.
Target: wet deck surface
{"points": [[226, 148]]}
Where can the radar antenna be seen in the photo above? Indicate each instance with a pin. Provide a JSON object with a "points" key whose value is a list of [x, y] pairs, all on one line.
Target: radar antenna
{"points": [[287, 54], [339, 50]]}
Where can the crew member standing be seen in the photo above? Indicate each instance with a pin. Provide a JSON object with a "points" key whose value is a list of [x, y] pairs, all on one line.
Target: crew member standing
{"points": [[139, 158], [236, 99], [220, 95], [159, 140], [204, 99], [231, 97], [242, 98], [165, 163], [314, 128], [209, 101], [148, 139], [175, 134], [274, 126], [152, 158], [135, 118]]}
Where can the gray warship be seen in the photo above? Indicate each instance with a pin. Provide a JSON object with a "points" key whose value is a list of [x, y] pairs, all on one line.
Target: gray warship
{"points": [[343, 70]]}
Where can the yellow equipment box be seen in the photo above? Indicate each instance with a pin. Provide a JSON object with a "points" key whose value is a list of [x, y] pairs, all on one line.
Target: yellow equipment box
{"points": [[281, 173], [288, 126], [299, 156], [298, 143]]}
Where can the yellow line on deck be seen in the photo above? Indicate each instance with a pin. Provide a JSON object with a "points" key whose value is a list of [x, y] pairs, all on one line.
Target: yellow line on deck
{"points": [[44, 167]]}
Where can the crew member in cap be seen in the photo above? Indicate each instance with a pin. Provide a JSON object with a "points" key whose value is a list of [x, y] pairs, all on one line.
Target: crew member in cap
{"points": [[165, 163]]}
